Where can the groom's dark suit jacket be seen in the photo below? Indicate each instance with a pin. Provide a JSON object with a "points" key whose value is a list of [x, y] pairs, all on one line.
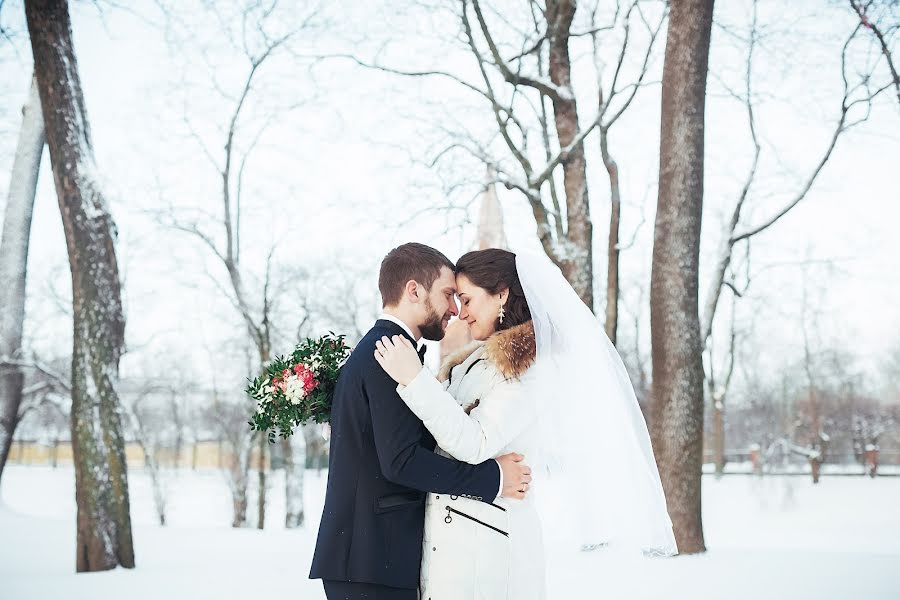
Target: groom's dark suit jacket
{"points": [[381, 464]]}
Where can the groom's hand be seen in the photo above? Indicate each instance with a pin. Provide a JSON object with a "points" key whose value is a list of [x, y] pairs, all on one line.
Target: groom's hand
{"points": [[516, 475]]}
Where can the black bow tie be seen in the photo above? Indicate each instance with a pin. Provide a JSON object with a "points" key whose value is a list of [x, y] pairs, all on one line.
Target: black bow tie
{"points": [[421, 352]]}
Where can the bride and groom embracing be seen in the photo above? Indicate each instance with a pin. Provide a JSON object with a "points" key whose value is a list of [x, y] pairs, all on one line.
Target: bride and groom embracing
{"points": [[428, 494]]}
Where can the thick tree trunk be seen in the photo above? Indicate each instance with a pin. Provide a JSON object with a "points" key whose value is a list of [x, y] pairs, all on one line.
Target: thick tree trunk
{"points": [[294, 471], [575, 253], [14, 262], [101, 480], [677, 424]]}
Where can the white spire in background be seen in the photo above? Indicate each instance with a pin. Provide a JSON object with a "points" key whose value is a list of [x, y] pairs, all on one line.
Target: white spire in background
{"points": [[491, 233]]}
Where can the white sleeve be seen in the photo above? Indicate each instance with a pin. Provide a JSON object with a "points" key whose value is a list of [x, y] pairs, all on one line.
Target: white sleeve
{"points": [[499, 418]]}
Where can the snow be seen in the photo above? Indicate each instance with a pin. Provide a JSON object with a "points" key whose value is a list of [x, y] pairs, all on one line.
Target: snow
{"points": [[775, 537]]}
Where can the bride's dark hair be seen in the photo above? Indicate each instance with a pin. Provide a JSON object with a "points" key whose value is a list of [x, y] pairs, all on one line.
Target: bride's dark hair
{"points": [[494, 269]]}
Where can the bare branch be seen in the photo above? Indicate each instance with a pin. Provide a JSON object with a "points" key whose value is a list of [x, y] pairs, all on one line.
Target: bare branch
{"points": [[48, 371], [840, 127], [544, 86], [862, 11]]}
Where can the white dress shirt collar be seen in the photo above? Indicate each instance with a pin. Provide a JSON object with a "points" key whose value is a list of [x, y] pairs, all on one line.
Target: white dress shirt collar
{"points": [[394, 319]]}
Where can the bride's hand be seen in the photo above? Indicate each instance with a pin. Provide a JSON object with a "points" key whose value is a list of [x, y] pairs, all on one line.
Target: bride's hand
{"points": [[398, 358]]}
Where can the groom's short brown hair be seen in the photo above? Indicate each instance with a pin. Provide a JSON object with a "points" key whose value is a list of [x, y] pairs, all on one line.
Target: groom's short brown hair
{"points": [[414, 261]]}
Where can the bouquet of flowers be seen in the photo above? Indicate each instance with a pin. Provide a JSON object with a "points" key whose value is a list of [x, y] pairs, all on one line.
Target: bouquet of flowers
{"points": [[298, 388]]}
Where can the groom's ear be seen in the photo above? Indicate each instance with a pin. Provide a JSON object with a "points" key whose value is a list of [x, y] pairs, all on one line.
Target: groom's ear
{"points": [[411, 291]]}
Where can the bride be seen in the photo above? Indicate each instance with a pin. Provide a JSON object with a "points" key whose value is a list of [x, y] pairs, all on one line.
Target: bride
{"points": [[542, 379]]}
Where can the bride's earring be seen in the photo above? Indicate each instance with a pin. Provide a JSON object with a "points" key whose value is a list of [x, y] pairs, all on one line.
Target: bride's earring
{"points": [[502, 313]]}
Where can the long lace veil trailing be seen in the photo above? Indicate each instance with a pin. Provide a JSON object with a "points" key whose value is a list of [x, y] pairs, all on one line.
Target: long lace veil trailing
{"points": [[597, 485]]}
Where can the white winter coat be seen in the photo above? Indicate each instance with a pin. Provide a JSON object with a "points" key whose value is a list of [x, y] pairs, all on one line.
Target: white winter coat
{"points": [[476, 550]]}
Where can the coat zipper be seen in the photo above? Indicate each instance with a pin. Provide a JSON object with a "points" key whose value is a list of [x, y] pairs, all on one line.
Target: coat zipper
{"points": [[448, 519]]}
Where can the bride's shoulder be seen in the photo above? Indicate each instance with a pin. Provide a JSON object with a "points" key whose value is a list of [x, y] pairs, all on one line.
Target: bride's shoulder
{"points": [[512, 351]]}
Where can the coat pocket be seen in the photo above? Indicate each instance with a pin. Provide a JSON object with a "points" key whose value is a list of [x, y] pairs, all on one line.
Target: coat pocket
{"points": [[398, 501], [452, 513]]}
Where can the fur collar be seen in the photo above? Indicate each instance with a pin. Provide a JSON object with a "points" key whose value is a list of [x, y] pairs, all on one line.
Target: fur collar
{"points": [[511, 351], [457, 358]]}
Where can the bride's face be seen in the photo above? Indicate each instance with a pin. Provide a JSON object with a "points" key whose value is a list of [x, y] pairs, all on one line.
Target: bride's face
{"points": [[478, 307]]}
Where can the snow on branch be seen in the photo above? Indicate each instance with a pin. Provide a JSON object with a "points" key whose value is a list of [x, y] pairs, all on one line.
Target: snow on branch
{"points": [[545, 86]]}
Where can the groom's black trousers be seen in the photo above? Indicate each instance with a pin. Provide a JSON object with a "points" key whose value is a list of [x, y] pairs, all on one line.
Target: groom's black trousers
{"points": [[345, 590]]}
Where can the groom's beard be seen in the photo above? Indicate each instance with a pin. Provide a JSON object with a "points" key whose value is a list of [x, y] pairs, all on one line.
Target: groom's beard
{"points": [[433, 328]]}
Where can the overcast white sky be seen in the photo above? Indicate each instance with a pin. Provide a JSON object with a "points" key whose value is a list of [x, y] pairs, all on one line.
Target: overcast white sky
{"points": [[333, 177]]}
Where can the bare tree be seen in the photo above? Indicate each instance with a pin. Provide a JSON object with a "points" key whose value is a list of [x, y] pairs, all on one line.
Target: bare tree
{"points": [[677, 396], [104, 538], [612, 93], [817, 442], [229, 419], [565, 237], [46, 394], [718, 391], [14, 262], [294, 450], [226, 417], [146, 426], [257, 46], [859, 92], [518, 81]]}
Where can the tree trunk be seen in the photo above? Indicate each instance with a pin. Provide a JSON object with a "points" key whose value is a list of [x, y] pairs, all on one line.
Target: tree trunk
{"points": [[239, 507], [156, 482], [294, 471], [575, 256], [104, 538], [315, 447], [677, 424], [239, 477], [261, 489], [719, 435], [612, 268], [14, 262]]}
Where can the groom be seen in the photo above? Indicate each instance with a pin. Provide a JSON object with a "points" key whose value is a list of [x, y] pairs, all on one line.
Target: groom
{"points": [[382, 459]]}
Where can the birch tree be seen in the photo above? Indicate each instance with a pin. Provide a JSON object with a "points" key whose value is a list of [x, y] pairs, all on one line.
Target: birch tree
{"points": [[14, 263]]}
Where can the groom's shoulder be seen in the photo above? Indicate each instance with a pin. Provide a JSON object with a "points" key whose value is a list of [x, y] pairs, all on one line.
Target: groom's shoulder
{"points": [[363, 355], [375, 333]]}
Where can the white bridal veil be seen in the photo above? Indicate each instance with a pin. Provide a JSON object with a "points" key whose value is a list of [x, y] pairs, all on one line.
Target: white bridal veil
{"points": [[597, 486]]}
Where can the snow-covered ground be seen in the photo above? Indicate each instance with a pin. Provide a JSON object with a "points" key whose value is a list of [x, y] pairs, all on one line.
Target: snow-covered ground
{"points": [[773, 538]]}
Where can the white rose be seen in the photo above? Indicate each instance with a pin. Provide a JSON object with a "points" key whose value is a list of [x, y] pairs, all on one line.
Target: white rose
{"points": [[294, 390]]}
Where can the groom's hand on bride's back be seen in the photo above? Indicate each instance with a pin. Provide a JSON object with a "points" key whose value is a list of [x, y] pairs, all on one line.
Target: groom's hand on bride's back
{"points": [[516, 476]]}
